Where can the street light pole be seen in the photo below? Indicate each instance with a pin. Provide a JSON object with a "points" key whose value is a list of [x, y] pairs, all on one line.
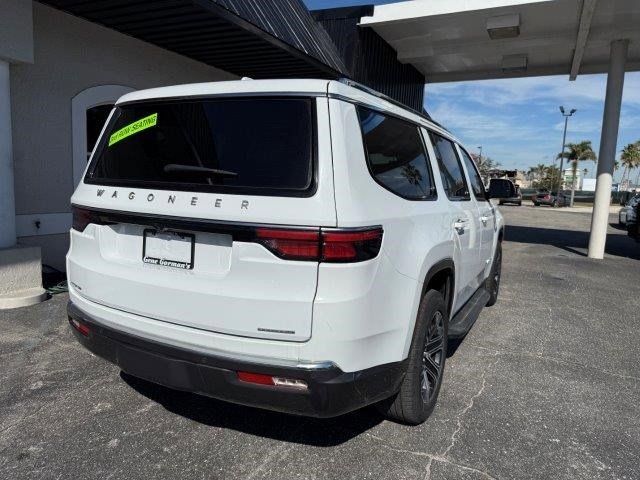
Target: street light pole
{"points": [[564, 144]]}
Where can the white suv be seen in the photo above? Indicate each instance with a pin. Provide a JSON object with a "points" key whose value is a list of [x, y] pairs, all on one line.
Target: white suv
{"points": [[304, 246]]}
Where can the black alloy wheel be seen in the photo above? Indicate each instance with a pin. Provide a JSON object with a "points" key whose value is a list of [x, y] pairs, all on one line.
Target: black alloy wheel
{"points": [[493, 281], [432, 357], [420, 387]]}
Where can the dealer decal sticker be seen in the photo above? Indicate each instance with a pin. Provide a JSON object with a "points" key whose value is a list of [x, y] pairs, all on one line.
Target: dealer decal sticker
{"points": [[133, 128]]}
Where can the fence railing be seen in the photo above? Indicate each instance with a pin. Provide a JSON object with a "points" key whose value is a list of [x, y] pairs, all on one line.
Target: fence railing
{"points": [[582, 196]]}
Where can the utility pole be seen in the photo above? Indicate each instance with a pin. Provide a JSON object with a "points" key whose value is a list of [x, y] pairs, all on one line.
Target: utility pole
{"points": [[564, 144]]}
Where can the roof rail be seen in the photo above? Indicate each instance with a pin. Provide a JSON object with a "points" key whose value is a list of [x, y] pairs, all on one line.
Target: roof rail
{"points": [[424, 114]]}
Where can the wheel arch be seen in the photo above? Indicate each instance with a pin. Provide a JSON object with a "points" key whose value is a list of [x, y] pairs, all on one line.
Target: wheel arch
{"points": [[442, 277]]}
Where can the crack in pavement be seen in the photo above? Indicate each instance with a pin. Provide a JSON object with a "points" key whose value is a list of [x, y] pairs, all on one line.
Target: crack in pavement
{"points": [[561, 361], [281, 452], [35, 412], [462, 414], [444, 456], [432, 458]]}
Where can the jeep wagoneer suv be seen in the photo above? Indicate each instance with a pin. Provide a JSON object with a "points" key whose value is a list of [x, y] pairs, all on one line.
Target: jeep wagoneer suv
{"points": [[304, 246]]}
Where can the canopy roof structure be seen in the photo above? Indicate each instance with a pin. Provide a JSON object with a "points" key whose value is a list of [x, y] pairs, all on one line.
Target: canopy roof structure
{"points": [[484, 39], [246, 37]]}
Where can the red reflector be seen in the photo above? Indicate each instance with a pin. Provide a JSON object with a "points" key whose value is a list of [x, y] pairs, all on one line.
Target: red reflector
{"points": [[80, 327], [257, 378]]}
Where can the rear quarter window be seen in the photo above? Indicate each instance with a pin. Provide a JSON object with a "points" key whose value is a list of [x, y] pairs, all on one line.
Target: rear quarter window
{"points": [[396, 156], [261, 146], [451, 172]]}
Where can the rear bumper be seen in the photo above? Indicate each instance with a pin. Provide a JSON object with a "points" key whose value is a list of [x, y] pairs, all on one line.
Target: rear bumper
{"points": [[331, 392]]}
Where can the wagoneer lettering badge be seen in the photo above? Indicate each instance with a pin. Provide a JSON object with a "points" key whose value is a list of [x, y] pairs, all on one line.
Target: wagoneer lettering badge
{"points": [[191, 201]]}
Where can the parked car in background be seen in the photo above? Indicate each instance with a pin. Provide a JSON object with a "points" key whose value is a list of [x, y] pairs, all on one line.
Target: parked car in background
{"points": [[552, 199], [516, 199], [627, 213]]}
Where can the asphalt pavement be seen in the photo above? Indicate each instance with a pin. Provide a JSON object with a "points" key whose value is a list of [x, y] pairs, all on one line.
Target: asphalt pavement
{"points": [[545, 386]]}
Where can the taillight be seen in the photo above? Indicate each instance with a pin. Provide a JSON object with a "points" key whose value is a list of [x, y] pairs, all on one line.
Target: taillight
{"points": [[81, 218], [291, 244], [84, 216], [351, 246], [335, 246]]}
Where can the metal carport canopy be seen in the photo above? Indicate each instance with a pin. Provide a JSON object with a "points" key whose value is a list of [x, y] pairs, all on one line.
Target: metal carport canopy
{"points": [[448, 40], [458, 40]]}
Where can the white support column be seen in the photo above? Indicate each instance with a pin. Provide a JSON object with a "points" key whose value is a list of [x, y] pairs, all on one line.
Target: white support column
{"points": [[608, 144], [7, 200]]}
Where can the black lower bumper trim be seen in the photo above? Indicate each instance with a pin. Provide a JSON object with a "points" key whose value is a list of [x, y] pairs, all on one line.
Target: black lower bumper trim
{"points": [[331, 392]]}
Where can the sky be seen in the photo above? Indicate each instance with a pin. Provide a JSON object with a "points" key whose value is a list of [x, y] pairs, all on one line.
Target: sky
{"points": [[517, 121]]}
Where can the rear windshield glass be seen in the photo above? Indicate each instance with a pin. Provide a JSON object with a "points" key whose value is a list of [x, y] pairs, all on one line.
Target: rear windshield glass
{"points": [[254, 145]]}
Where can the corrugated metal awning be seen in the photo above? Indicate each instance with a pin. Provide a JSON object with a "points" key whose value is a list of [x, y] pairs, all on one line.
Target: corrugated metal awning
{"points": [[250, 38]]}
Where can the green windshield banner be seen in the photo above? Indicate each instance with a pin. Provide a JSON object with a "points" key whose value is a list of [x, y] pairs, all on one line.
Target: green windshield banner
{"points": [[134, 127]]}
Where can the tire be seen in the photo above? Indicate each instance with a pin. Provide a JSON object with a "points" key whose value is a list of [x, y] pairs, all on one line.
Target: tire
{"points": [[419, 390], [500, 203], [520, 203], [535, 204], [492, 284]]}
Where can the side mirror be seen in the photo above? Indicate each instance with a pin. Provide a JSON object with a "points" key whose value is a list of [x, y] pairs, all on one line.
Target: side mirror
{"points": [[501, 188]]}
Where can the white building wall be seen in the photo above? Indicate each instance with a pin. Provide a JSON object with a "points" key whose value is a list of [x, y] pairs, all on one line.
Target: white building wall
{"points": [[71, 55], [589, 185]]}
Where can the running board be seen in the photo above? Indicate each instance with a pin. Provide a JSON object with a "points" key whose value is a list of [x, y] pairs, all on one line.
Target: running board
{"points": [[462, 322]]}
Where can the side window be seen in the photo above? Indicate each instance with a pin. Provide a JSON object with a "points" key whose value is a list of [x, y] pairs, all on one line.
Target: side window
{"points": [[451, 171], [474, 177], [396, 155]]}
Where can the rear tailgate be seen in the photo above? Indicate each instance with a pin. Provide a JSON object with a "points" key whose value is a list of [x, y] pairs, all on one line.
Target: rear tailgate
{"points": [[177, 244]]}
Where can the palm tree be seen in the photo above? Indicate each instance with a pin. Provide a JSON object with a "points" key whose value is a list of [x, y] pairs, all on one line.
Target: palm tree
{"points": [[630, 158], [537, 173], [577, 152]]}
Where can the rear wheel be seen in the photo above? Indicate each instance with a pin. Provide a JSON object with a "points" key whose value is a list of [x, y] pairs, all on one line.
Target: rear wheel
{"points": [[419, 390], [535, 204], [492, 283]]}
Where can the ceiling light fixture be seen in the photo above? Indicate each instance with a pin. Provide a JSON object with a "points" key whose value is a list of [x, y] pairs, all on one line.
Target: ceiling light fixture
{"points": [[514, 63], [504, 26]]}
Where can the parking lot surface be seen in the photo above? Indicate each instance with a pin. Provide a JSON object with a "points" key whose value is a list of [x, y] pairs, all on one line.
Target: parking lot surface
{"points": [[546, 385]]}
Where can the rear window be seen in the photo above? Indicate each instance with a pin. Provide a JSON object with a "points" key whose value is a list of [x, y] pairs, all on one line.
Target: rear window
{"points": [[254, 145]]}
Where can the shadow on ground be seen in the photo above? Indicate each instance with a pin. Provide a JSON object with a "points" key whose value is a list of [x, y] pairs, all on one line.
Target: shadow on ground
{"points": [[571, 240], [263, 423]]}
